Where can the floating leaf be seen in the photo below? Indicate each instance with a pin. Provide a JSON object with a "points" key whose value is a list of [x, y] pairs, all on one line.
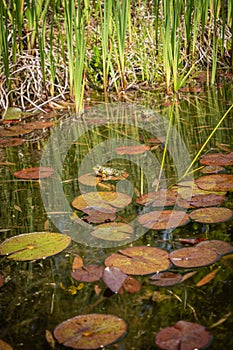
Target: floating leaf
{"points": [[141, 260], [33, 246], [16, 130], [193, 257], [88, 273], [90, 331], [34, 173], [137, 149], [4, 345], [113, 278], [211, 169], [161, 198], [39, 125], [211, 215], [216, 182], [207, 278], [221, 247], [116, 231], [164, 219], [98, 216], [89, 179], [131, 285], [11, 142], [217, 159], [204, 200], [183, 336], [13, 113], [103, 201], [191, 240], [164, 279], [77, 262]]}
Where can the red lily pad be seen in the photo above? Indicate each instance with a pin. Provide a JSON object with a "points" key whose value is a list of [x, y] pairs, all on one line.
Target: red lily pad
{"points": [[114, 278], [89, 273], [98, 216], [161, 198], [212, 169], [11, 142], [33, 246], [203, 200], [193, 257], [215, 182], [113, 231], [141, 260], [89, 179], [183, 336], [164, 219], [221, 247], [211, 215], [103, 201], [34, 173], [164, 279], [131, 285], [217, 159], [90, 331], [137, 149]]}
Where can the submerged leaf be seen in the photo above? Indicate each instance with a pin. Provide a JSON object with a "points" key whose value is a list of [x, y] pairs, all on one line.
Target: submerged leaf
{"points": [[89, 273], [207, 278], [113, 278], [116, 231], [131, 285], [90, 331], [33, 246]]}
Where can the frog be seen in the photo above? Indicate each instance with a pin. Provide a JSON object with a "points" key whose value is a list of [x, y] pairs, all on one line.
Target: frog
{"points": [[107, 171]]}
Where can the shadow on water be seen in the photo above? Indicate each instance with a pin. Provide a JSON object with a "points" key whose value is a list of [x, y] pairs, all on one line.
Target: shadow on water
{"points": [[36, 295]]}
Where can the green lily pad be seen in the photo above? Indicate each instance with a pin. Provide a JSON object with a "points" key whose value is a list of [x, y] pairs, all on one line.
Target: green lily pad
{"points": [[211, 215], [141, 260], [217, 159], [113, 231], [183, 336], [164, 219], [34, 173], [221, 247], [33, 246], [215, 182], [193, 257], [92, 331], [106, 201]]}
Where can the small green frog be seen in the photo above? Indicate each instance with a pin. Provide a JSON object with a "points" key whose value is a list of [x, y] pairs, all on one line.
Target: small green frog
{"points": [[107, 171]]}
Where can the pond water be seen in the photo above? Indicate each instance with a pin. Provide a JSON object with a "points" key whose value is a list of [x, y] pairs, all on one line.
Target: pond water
{"points": [[38, 295]]}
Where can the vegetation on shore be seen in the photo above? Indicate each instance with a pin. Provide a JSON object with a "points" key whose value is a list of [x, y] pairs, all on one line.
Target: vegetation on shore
{"points": [[54, 50]]}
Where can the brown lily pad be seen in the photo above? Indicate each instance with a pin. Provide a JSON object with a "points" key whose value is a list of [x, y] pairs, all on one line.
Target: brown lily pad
{"points": [[164, 279], [216, 159], [164, 219], [34, 173], [39, 125], [33, 246], [89, 273], [131, 285], [11, 142], [113, 278], [216, 182], [113, 231], [161, 198], [4, 345], [92, 331], [16, 130], [221, 247], [193, 257], [202, 200], [98, 216], [137, 149], [89, 179], [183, 336], [211, 215], [212, 169], [141, 260], [102, 201]]}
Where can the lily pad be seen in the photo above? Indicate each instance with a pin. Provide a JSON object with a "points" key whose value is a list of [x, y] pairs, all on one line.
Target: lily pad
{"points": [[98, 216], [203, 200], [183, 336], [216, 182], [11, 142], [33, 246], [141, 260], [16, 130], [164, 279], [89, 273], [13, 113], [221, 247], [34, 173], [161, 198], [193, 257], [40, 125], [212, 169], [137, 149], [89, 179], [90, 331], [113, 278], [217, 159], [116, 231], [211, 215], [4, 345], [131, 285], [108, 201], [164, 219]]}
